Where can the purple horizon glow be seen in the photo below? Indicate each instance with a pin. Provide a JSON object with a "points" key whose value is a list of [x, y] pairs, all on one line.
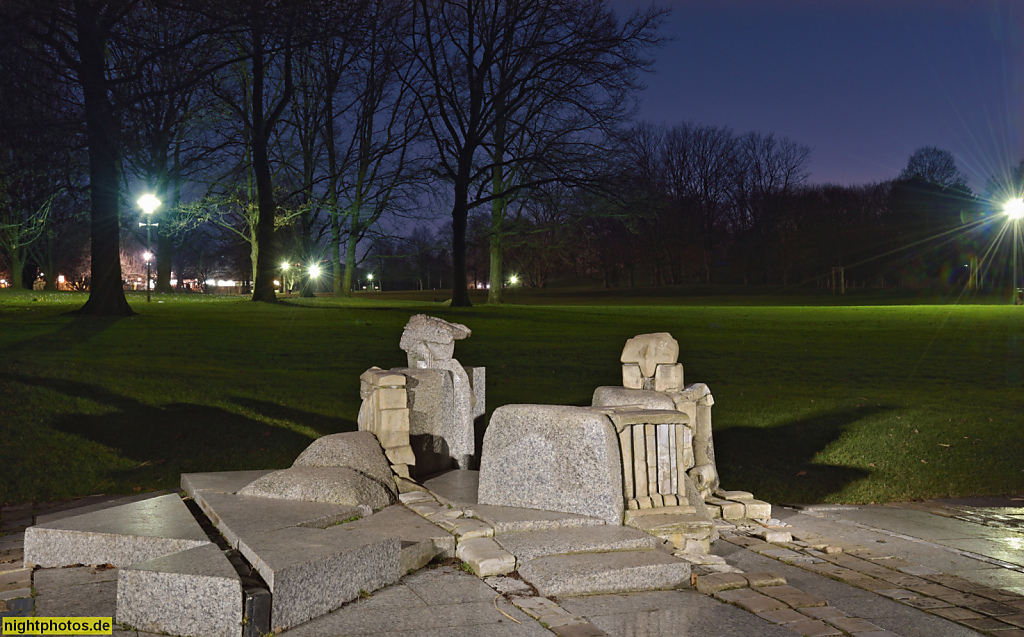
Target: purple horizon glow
{"points": [[862, 82]]}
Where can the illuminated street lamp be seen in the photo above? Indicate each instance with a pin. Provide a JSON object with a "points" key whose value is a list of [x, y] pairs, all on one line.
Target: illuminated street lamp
{"points": [[149, 204], [513, 280], [369, 277], [284, 277], [1014, 209], [314, 271]]}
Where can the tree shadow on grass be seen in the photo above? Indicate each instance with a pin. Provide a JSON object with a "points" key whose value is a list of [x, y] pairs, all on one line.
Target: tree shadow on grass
{"points": [[777, 463], [171, 439], [320, 423], [77, 330]]}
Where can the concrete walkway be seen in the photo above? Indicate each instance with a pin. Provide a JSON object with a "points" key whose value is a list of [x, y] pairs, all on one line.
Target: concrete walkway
{"points": [[934, 568]]}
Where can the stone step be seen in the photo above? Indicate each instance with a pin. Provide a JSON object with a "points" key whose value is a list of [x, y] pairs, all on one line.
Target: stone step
{"points": [[195, 592], [687, 532], [512, 519], [597, 573], [313, 571], [122, 535], [528, 545], [236, 515]]}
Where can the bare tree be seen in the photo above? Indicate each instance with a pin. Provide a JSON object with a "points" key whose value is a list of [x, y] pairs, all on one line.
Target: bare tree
{"points": [[935, 166], [492, 67]]}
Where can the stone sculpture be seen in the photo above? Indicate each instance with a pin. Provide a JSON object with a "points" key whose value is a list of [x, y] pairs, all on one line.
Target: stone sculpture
{"points": [[424, 415]]}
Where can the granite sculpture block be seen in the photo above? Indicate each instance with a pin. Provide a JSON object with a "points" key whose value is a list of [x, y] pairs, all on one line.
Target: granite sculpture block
{"points": [[552, 457], [195, 592], [121, 536], [313, 571]]}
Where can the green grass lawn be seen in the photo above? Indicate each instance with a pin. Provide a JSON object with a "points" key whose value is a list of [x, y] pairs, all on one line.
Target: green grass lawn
{"points": [[816, 400]]}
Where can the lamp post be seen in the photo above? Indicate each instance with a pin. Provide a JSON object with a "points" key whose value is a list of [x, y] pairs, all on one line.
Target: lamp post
{"points": [[148, 203], [284, 280], [369, 277], [1014, 209]]}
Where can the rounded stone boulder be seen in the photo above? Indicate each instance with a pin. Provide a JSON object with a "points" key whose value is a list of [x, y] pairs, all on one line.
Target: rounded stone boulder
{"points": [[334, 485], [357, 450]]}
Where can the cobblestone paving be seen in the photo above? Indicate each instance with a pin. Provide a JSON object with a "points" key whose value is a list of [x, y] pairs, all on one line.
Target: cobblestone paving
{"points": [[986, 609]]}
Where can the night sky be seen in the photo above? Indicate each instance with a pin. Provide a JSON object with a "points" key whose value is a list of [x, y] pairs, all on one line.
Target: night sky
{"points": [[863, 83]]}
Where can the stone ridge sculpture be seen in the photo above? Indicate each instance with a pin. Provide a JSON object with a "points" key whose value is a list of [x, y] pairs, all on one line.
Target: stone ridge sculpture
{"points": [[424, 415]]}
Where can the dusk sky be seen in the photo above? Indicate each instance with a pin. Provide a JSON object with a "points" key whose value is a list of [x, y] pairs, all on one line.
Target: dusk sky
{"points": [[863, 83]]}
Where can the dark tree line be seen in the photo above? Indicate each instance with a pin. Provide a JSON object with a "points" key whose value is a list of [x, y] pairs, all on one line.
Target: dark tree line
{"points": [[699, 204]]}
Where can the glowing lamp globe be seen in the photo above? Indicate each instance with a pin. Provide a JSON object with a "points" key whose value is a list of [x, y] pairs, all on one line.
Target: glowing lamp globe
{"points": [[314, 270], [1014, 208], [148, 203]]}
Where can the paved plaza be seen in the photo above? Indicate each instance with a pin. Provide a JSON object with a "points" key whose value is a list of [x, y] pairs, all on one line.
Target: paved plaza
{"points": [[933, 568]]}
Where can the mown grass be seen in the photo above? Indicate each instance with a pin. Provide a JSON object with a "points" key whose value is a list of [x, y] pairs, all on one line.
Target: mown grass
{"points": [[814, 403]]}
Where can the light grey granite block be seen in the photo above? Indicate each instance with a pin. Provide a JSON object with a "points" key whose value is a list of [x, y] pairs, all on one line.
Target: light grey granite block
{"points": [[195, 592], [611, 396], [333, 485], [120, 535], [595, 573], [357, 450], [313, 571], [219, 481], [456, 487], [553, 457], [513, 519], [532, 544], [410, 528], [237, 515]]}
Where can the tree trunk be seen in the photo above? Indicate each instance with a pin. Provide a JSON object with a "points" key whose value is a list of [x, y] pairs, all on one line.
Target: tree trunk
{"points": [[106, 292], [17, 270], [460, 222], [263, 285]]}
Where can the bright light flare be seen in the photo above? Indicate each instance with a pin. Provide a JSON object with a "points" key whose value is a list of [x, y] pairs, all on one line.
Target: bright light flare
{"points": [[513, 280], [1014, 208], [369, 277], [147, 256], [314, 270], [148, 203], [284, 265]]}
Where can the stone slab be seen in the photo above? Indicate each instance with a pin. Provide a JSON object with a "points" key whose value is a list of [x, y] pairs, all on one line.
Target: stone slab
{"points": [[313, 571], [611, 396], [457, 487], [237, 515], [533, 544], [218, 481], [195, 592], [120, 535], [485, 556], [681, 613], [410, 528], [597, 573], [333, 485], [555, 458], [514, 519]]}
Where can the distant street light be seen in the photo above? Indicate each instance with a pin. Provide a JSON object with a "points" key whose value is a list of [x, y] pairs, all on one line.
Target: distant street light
{"points": [[513, 280], [284, 277], [149, 204], [369, 277], [314, 271]]}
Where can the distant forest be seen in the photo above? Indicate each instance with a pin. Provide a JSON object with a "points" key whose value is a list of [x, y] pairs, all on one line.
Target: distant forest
{"points": [[332, 146]]}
